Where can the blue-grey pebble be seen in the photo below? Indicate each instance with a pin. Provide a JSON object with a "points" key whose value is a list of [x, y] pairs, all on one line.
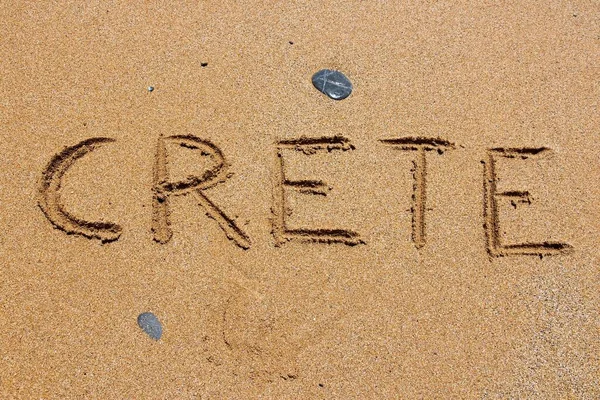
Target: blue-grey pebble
{"points": [[332, 83], [150, 324]]}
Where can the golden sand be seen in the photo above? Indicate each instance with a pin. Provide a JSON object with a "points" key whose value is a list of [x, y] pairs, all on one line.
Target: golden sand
{"points": [[434, 235]]}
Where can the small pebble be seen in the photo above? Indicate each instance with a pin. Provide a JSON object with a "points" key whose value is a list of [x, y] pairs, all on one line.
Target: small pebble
{"points": [[150, 88], [332, 83], [150, 324]]}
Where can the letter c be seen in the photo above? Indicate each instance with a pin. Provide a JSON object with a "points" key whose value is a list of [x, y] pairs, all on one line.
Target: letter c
{"points": [[49, 195]]}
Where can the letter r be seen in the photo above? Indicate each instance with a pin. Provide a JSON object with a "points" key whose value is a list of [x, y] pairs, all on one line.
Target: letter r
{"points": [[164, 188]]}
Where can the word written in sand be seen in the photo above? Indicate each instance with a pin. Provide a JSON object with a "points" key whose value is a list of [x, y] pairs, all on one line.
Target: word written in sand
{"points": [[163, 188], [150, 324], [332, 83]]}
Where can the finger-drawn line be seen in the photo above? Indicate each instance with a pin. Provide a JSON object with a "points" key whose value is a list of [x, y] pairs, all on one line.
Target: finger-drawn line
{"points": [[227, 224], [491, 214], [312, 145], [516, 196], [419, 196], [415, 143], [49, 199], [280, 231], [309, 187], [524, 152], [163, 188]]}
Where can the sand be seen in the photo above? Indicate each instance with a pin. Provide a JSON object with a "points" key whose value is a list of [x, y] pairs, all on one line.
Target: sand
{"points": [[433, 235]]}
